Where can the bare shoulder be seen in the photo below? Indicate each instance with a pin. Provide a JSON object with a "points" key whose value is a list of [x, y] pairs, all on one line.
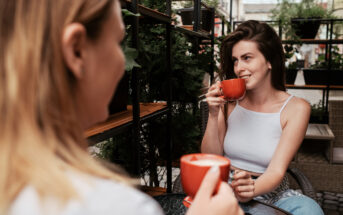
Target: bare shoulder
{"points": [[298, 107], [299, 104]]}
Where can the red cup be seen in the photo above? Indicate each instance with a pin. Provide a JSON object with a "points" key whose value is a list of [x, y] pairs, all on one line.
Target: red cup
{"points": [[195, 166], [233, 89]]}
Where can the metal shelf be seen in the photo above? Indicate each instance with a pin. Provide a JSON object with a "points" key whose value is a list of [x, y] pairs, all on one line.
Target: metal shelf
{"points": [[198, 34], [120, 121], [314, 87], [313, 41], [148, 14]]}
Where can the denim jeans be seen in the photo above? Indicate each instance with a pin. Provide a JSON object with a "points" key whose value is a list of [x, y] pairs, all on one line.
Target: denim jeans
{"points": [[296, 205]]}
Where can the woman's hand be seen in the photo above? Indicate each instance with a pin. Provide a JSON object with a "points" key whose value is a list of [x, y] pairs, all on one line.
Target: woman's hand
{"points": [[222, 203], [213, 98], [243, 186]]}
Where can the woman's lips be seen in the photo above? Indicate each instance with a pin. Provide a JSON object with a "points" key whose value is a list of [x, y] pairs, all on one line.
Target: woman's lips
{"points": [[244, 76]]}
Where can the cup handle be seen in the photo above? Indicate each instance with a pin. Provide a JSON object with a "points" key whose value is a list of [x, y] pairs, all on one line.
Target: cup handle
{"points": [[221, 89]]}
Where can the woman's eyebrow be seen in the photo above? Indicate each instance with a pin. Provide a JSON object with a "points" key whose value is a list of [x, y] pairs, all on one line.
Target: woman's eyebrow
{"points": [[243, 55]]}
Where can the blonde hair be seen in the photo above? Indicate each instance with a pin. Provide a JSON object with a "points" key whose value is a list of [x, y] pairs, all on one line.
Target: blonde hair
{"points": [[40, 137]]}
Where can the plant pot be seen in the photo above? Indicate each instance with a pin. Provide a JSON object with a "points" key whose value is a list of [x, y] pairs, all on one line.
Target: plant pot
{"points": [[323, 76], [320, 119], [120, 98], [291, 74], [305, 29], [187, 17]]}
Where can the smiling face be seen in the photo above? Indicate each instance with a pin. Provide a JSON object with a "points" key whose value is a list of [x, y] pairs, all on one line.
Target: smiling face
{"points": [[250, 64]]}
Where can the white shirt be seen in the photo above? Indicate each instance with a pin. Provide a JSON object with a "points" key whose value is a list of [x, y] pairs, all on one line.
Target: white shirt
{"points": [[252, 138], [98, 197]]}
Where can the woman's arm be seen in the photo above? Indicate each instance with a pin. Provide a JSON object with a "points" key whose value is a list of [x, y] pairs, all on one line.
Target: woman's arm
{"points": [[213, 139], [296, 116]]}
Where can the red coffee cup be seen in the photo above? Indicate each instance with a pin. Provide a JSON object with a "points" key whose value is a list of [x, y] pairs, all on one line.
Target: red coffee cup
{"points": [[195, 166], [233, 89]]}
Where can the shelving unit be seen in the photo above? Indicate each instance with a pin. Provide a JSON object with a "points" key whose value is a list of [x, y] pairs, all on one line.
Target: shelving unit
{"points": [[138, 113], [120, 121]]}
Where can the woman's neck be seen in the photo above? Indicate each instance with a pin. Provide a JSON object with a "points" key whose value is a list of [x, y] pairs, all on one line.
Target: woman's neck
{"points": [[261, 95]]}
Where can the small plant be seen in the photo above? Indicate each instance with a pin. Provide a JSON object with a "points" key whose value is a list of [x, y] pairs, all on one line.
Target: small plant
{"points": [[336, 60], [289, 52], [287, 10], [318, 113], [210, 3]]}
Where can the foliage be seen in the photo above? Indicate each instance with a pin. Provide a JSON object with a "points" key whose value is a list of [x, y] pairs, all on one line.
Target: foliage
{"points": [[188, 70], [155, 4], [129, 53], [287, 9], [187, 73], [210, 3], [318, 113], [289, 52], [336, 60], [116, 149]]}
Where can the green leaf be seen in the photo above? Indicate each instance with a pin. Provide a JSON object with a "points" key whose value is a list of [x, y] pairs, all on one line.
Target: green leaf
{"points": [[126, 13], [130, 56]]}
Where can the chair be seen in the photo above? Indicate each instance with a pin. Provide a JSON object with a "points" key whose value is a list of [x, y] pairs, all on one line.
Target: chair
{"points": [[300, 178]]}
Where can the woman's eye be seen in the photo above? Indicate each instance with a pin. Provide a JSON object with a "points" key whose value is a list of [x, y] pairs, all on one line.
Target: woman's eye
{"points": [[246, 57]]}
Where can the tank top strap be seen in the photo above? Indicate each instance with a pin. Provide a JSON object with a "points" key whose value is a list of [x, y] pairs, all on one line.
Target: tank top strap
{"points": [[284, 104]]}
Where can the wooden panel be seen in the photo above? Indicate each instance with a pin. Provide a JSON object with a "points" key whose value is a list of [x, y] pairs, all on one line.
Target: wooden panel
{"points": [[319, 132], [154, 191], [124, 117]]}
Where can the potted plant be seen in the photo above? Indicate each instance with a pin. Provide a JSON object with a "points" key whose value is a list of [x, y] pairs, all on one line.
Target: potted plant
{"points": [[291, 67], [319, 73], [318, 113], [186, 14], [291, 16]]}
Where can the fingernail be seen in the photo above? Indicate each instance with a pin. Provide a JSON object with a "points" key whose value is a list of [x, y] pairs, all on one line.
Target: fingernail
{"points": [[214, 169]]}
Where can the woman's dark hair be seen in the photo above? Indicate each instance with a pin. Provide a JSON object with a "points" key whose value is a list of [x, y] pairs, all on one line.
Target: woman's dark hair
{"points": [[268, 43]]}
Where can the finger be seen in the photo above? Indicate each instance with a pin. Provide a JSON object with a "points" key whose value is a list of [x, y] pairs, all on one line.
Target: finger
{"points": [[248, 188], [208, 184], [215, 85], [215, 100], [238, 182], [225, 189], [214, 92], [241, 174], [245, 194]]}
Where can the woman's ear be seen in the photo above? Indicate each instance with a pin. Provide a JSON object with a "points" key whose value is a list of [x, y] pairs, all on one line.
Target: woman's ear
{"points": [[73, 44], [269, 66]]}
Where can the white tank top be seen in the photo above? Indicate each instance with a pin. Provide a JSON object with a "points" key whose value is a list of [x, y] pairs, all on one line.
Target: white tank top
{"points": [[252, 137]]}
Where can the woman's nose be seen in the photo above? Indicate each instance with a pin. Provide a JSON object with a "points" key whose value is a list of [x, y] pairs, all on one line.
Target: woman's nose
{"points": [[240, 66]]}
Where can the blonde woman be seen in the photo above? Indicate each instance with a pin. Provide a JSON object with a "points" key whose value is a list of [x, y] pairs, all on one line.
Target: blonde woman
{"points": [[60, 62]]}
